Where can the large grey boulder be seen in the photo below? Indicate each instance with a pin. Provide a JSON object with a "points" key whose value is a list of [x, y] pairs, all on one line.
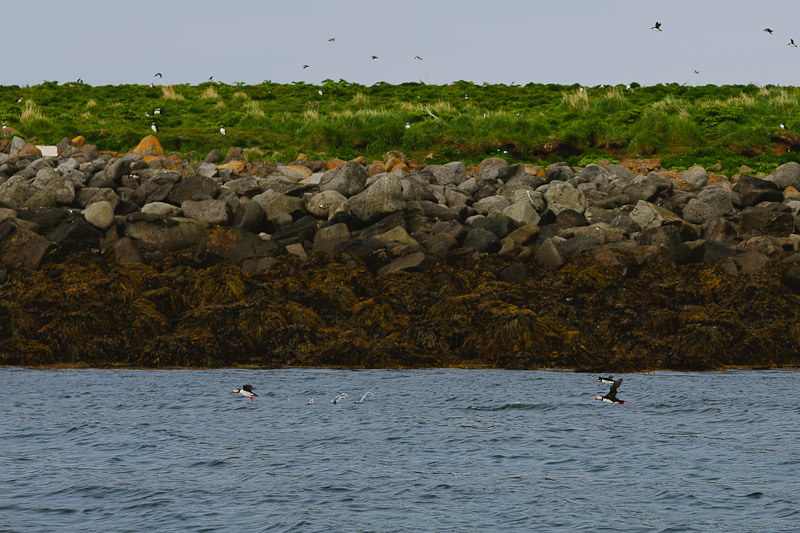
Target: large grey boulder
{"points": [[561, 196], [215, 212], [156, 187], [750, 191], [99, 214], [648, 215], [480, 240], [450, 174], [246, 186], [696, 177], [61, 188], [169, 234], [193, 188], [275, 204], [324, 204], [16, 191], [522, 212], [161, 209], [559, 172], [490, 167], [491, 204], [248, 216], [710, 203], [348, 179], [383, 197], [647, 187], [326, 239], [759, 221], [787, 175]]}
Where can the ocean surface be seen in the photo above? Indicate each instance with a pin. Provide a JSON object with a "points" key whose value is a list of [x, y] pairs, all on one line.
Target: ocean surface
{"points": [[431, 450]]}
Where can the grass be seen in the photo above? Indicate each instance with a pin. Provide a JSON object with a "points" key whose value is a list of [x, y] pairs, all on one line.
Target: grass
{"points": [[708, 125]]}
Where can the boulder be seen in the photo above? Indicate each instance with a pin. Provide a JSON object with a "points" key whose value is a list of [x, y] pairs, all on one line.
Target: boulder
{"points": [[161, 209], [348, 179], [711, 202], [559, 172], [489, 168], [231, 244], [21, 247], [99, 214], [550, 254], [193, 188], [248, 216], [167, 234], [125, 251], [51, 182], [414, 261], [214, 212], [295, 172], [648, 215], [561, 196], [275, 204], [299, 231], [696, 177], [518, 238], [327, 238], [750, 191], [324, 204], [751, 262], [207, 170], [149, 146], [247, 186], [647, 187], [481, 240], [450, 174], [522, 212], [711, 251], [759, 221], [383, 197], [497, 222], [491, 204], [787, 175]]}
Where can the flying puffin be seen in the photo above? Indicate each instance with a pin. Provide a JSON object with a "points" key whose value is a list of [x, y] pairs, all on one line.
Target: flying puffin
{"points": [[246, 391], [791, 43], [608, 381], [768, 30], [657, 27], [306, 66], [158, 75], [374, 57], [611, 397]]}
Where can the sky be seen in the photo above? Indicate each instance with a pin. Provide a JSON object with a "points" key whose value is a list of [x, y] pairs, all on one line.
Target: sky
{"points": [[590, 42]]}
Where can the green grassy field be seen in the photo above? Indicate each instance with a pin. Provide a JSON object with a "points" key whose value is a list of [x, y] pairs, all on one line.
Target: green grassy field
{"points": [[730, 125]]}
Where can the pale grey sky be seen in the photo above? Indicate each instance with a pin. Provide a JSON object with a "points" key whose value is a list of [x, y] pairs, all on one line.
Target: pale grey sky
{"points": [[501, 41]]}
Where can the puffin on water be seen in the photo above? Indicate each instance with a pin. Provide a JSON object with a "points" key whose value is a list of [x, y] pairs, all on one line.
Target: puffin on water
{"points": [[246, 391], [611, 397], [608, 381]]}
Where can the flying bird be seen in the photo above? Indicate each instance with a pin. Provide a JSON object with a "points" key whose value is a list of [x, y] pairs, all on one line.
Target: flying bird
{"points": [[657, 27], [158, 75], [697, 72], [611, 397], [374, 57], [306, 66], [608, 381], [246, 391], [791, 43], [418, 58], [211, 78], [768, 30]]}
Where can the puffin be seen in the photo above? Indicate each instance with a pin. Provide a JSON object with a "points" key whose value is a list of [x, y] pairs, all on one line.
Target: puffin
{"points": [[222, 130], [657, 27], [246, 391], [791, 43], [154, 127], [768, 30], [608, 381], [611, 397]]}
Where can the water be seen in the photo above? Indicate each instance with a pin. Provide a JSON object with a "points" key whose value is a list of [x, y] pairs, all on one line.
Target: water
{"points": [[433, 450]]}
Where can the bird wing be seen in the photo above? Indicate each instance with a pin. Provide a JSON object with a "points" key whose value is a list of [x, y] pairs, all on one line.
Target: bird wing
{"points": [[248, 388], [614, 387]]}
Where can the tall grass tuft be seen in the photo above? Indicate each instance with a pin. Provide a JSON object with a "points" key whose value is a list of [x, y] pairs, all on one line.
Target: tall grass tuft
{"points": [[31, 112], [169, 93], [209, 94], [360, 99], [576, 100]]}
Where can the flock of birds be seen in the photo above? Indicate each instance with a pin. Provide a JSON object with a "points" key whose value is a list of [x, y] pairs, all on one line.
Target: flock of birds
{"points": [[611, 397]]}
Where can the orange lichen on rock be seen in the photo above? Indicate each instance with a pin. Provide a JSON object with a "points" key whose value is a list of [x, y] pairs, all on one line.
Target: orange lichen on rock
{"points": [[79, 141], [149, 146], [236, 166], [30, 150]]}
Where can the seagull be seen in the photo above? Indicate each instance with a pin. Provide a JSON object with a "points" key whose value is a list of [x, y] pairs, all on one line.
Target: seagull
{"points": [[791, 43], [339, 398], [222, 130], [158, 75], [306, 66], [310, 401], [418, 58], [611, 397], [154, 127], [768, 30], [361, 400], [246, 391], [374, 57], [657, 27]]}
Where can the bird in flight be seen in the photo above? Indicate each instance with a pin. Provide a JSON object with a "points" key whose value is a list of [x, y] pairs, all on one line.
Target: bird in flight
{"points": [[158, 75], [697, 72], [211, 78], [657, 27], [332, 39], [306, 66], [768, 30], [791, 43], [374, 57], [418, 58]]}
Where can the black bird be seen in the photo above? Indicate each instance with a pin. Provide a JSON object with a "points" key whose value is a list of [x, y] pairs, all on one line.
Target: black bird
{"points": [[158, 75], [768, 30], [611, 397], [657, 27], [418, 58], [791, 43], [332, 39], [608, 381], [306, 66], [211, 78], [374, 57]]}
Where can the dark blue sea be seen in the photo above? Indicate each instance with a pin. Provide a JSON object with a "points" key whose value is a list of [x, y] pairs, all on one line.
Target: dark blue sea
{"points": [[430, 450]]}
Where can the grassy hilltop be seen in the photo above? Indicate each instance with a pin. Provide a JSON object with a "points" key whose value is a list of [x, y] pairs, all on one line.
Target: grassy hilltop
{"points": [[730, 125]]}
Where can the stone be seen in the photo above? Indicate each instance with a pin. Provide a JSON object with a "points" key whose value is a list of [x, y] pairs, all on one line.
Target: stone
{"points": [[149, 146], [480, 240], [562, 196], [518, 238], [295, 172], [398, 234], [750, 191], [559, 172], [22, 247], [711, 202], [414, 261], [214, 157], [696, 177], [721, 229], [550, 254], [497, 222], [383, 197], [450, 174], [571, 219], [15, 192], [328, 237], [207, 170], [299, 231], [791, 278], [751, 262], [246, 186], [440, 244], [787, 175], [759, 221], [99, 214], [711, 251], [348, 179], [275, 204], [489, 168], [214, 212], [522, 212], [231, 244], [491, 204], [193, 188], [248, 216], [324, 204], [167, 234], [53, 183], [125, 251], [648, 215], [162, 209]]}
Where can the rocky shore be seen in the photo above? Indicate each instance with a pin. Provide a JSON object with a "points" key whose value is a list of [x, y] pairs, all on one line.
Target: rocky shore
{"points": [[147, 260]]}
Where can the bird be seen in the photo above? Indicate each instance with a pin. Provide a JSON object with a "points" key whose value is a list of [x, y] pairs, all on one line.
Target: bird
{"points": [[791, 43], [783, 126], [152, 85], [154, 127], [246, 391], [222, 130], [418, 58], [211, 78], [608, 381], [157, 111], [697, 72], [611, 397], [361, 400], [629, 88], [79, 80], [310, 401], [339, 398], [657, 27], [306, 66], [147, 113], [320, 92], [374, 57], [332, 39], [19, 100], [408, 126], [158, 75], [768, 30]]}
